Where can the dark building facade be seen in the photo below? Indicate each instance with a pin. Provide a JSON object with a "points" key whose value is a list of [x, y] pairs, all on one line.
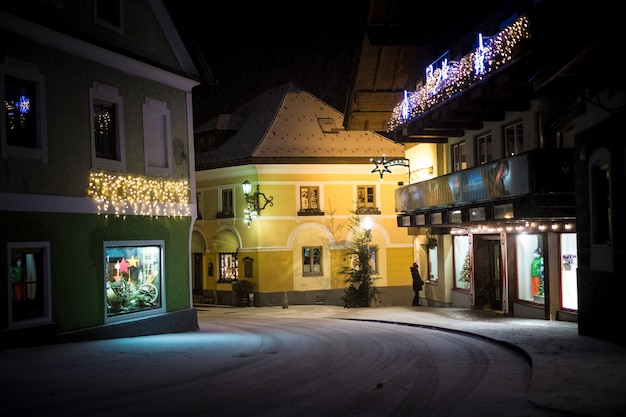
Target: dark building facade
{"points": [[522, 214]]}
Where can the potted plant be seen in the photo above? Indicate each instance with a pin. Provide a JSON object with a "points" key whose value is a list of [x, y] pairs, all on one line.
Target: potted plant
{"points": [[242, 289]]}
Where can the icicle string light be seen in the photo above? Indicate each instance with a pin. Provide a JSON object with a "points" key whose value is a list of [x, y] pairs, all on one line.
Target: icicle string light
{"points": [[139, 195], [453, 77]]}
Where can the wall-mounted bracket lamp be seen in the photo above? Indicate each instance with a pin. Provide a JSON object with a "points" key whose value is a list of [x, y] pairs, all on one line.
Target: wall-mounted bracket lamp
{"points": [[253, 201]]}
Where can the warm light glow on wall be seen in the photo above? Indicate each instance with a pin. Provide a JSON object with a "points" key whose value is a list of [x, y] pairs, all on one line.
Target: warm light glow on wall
{"points": [[455, 76], [139, 195]]}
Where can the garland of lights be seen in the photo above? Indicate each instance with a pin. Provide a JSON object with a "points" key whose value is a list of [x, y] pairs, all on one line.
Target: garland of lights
{"points": [[451, 78], [128, 194]]}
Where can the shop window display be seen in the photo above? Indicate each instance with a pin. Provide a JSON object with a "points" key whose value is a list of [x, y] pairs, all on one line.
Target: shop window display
{"points": [[569, 266], [461, 262], [133, 277], [530, 268]]}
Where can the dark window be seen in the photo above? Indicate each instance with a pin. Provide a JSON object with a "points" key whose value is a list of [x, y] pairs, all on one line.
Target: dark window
{"points": [[21, 112], [105, 130]]}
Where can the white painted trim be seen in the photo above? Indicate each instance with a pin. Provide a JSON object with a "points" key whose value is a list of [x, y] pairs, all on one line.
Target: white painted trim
{"points": [[93, 53]]}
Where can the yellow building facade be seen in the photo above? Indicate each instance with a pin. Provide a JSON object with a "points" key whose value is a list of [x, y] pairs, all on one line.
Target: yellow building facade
{"points": [[312, 179]]}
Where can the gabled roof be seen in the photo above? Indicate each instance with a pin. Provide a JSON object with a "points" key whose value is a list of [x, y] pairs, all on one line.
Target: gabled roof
{"points": [[290, 125]]}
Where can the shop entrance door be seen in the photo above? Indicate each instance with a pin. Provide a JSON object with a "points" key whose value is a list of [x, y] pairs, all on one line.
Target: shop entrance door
{"points": [[487, 272]]}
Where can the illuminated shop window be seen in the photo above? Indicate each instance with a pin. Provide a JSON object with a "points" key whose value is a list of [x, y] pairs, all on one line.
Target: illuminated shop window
{"points": [[311, 261], [134, 279], [462, 271], [29, 283], [433, 267], [23, 128], [569, 268], [228, 267], [530, 268]]}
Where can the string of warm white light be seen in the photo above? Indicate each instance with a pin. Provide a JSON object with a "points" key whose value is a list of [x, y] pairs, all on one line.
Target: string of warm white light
{"points": [[451, 78], [139, 195]]}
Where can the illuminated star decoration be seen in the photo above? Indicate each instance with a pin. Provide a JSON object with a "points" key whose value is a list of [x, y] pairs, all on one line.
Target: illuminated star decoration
{"points": [[133, 261], [400, 162], [124, 265], [23, 104], [381, 167]]}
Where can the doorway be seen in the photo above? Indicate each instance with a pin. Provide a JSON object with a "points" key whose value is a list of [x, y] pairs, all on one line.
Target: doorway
{"points": [[487, 272], [197, 274]]}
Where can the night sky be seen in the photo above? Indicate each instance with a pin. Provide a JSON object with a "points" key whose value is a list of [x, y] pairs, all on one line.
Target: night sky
{"points": [[255, 47]]}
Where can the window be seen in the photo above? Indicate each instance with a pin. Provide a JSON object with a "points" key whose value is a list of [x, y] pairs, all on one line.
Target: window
{"points": [[513, 139], [311, 261], [228, 267], [29, 283], [462, 271], [569, 267], [530, 268], [23, 132], [157, 138], [309, 200], [366, 199], [108, 14], [226, 202], [459, 157], [433, 266], [107, 128], [484, 152], [199, 204], [133, 278], [374, 259]]}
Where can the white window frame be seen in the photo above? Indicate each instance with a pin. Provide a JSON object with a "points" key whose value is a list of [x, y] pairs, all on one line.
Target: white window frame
{"points": [[301, 199], [112, 318], [312, 272], [484, 149], [29, 72], [110, 95], [220, 198], [363, 206], [46, 317], [517, 139], [459, 156], [157, 138]]}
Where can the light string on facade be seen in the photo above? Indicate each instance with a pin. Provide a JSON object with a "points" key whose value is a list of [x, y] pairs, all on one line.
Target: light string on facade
{"points": [[139, 195], [445, 78]]}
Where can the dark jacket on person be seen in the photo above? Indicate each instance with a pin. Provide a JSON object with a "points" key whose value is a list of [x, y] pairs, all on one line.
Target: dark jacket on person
{"points": [[417, 279]]}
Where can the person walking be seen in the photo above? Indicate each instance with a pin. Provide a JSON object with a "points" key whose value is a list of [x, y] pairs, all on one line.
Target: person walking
{"points": [[417, 283]]}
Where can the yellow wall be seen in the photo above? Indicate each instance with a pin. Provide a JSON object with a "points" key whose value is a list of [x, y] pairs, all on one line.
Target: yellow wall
{"points": [[275, 239]]}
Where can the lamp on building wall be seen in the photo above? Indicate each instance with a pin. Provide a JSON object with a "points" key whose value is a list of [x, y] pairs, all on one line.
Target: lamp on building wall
{"points": [[366, 224], [253, 201]]}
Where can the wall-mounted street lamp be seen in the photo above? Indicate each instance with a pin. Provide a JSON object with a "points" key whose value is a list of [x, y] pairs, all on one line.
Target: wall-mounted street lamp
{"points": [[254, 207]]}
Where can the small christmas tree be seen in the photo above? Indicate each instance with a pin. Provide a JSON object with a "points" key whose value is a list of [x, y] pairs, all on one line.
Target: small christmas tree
{"points": [[464, 276]]}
